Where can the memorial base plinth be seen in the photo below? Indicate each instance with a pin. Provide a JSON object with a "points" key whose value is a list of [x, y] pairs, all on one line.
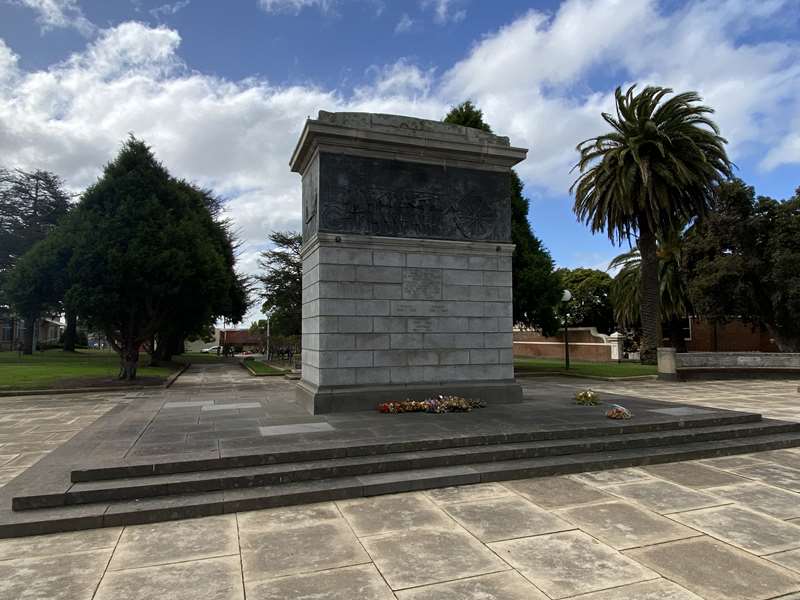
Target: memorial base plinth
{"points": [[322, 400]]}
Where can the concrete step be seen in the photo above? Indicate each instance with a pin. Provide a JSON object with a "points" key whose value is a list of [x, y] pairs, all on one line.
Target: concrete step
{"points": [[283, 473], [245, 458], [164, 508]]}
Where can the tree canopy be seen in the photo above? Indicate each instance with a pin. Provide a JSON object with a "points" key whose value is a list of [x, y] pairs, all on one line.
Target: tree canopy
{"points": [[674, 299], [656, 170], [590, 305], [283, 283], [32, 203], [742, 260], [536, 287], [142, 254]]}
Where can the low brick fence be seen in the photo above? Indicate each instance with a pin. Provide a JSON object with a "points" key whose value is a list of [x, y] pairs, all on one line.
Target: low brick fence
{"points": [[686, 365], [585, 343]]}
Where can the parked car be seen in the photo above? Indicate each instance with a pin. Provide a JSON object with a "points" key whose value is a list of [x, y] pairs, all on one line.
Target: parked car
{"points": [[211, 350]]}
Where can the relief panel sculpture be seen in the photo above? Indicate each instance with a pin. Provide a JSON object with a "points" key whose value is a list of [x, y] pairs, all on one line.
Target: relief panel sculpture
{"points": [[371, 196]]}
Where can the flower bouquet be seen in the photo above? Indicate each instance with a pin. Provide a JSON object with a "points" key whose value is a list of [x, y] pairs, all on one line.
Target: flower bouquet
{"points": [[618, 412], [587, 398], [434, 404]]}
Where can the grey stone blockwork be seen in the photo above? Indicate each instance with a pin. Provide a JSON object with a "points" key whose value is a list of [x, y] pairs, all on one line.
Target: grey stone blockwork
{"points": [[371, 304], [406, 261]]}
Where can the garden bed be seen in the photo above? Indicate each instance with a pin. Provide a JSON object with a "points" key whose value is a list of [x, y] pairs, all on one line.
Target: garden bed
{"points": [[260, 369]]}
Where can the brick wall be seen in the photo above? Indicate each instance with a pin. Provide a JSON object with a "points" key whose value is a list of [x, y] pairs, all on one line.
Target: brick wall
{"points": [[734, 336], [378, 311], [583, 345]]}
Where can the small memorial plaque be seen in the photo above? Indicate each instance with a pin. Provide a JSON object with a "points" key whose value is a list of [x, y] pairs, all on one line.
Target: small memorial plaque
{"points": [[420, 325], [422, 284]]}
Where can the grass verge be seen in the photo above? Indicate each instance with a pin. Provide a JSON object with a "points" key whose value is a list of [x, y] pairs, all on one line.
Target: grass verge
{"points": [[55, 369], [542, 366], [258, 368]]}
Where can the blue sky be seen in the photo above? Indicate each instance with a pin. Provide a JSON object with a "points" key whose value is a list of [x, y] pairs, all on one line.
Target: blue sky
{"points": [[221, 89]]}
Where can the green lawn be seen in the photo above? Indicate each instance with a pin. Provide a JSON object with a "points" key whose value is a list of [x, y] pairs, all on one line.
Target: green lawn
{"points": [[200, 357], [260, 368], [55, 369], [587, 369]]}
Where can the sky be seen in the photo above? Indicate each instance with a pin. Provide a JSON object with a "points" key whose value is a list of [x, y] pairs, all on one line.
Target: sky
{"points": [[221, 89]]}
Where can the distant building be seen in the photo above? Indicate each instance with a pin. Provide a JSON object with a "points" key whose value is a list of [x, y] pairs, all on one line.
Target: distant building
{"points": [[12, 330], [240, 340]]}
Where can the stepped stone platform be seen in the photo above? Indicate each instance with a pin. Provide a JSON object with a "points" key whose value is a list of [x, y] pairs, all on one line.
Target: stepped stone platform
{"points": [[159, 458]]}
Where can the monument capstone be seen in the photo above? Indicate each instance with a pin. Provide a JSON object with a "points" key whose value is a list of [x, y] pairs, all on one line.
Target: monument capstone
{"points": [[406, 261]]}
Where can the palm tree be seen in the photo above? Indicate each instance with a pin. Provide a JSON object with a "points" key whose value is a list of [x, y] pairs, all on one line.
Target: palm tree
{"points": [[674, 305], [655, 171]]}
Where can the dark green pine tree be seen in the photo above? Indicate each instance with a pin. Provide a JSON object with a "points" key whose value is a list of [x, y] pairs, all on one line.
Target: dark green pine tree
{"points": [[141, 254], [536, 287]]}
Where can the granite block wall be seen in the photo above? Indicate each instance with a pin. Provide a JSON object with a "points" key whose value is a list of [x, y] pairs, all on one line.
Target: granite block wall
{"points": [[406, 312]]}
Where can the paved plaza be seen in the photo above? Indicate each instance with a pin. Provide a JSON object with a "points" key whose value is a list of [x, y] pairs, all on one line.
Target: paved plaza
{"points": [[725, 528]]}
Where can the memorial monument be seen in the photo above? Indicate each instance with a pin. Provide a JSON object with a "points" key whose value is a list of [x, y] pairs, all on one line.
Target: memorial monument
{"points": [[406, 261]]}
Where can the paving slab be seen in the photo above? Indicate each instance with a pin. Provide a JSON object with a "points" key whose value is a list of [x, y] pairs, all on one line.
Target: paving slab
{"points": [[505, 517], [622, 525], [292, 429], [789, 559], [466, 493], [773, 501], [787, 458], [557, 492], [732, 462], [508, 585], [664, 497], [273, 552], [59, 543], [285, 518], [716, 571], [751, 531], [694, 475], [64, 577], [381, 514], [658, 589], [424, 556], [773, 474], [176, 541], [362, 582], [210, 579], [570, 563], [612, 476]]}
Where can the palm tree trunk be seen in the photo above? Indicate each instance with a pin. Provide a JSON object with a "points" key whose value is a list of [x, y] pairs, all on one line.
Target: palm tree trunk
{"points": [[650, 294]]}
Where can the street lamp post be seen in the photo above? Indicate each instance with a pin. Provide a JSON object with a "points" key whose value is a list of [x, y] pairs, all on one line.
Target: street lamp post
{"points": [[566, 296], [268, 314]]}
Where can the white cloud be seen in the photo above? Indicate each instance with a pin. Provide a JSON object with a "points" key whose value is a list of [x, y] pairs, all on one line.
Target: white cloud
{"points": [[295, 6], [400, 79], [59, 14], [166, 10], [445, 11], [404, 25], [531, 78]]}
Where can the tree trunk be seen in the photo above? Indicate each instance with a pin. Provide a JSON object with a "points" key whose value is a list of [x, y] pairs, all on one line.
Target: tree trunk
{"points": [[129, 360], [27, 336], [650, 294], [156, 351], [71, 331]]}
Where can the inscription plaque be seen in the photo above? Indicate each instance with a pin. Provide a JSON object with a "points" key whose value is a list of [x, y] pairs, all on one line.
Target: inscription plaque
{"points": [[422, 284], [420, 325]]}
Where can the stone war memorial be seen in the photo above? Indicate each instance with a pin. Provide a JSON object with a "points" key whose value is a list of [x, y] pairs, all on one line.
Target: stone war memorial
{"points": [[406, 261]]}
